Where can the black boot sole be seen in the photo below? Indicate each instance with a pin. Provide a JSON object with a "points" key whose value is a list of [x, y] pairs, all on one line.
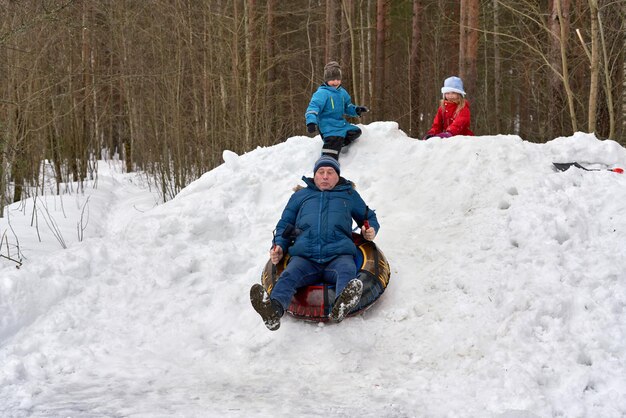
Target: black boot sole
{"points": [[261, 303], [348, 299]]}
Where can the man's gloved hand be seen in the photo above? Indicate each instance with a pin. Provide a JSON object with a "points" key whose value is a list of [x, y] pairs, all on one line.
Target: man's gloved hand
{"points": [[361, 109], [444, 135], [311, 127]]}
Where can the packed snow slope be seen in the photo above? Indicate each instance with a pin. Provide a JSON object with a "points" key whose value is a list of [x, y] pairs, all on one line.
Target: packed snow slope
{"points": [[507, 296]]}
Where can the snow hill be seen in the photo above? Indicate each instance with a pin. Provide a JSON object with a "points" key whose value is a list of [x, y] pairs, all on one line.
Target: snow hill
{"points": [[507, 296]]}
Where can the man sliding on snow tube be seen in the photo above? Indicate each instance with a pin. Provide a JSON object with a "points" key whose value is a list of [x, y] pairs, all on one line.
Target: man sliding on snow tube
{"points": [[323, 249]]}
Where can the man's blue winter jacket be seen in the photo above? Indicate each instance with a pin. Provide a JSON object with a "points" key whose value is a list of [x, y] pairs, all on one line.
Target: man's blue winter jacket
{"points": [[323, 221], [326, 110]]}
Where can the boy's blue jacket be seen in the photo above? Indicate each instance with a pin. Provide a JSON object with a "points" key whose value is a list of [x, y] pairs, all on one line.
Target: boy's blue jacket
{"points": [[326, 110], [323, 221]]}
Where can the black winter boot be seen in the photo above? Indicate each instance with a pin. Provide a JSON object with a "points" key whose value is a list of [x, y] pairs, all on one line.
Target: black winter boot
{"points": [[348, 299], [332, 146], [270, 310], [351, 136]]}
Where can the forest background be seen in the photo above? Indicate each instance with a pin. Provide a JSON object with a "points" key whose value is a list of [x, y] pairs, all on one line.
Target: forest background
{"points": [[167, 85]]}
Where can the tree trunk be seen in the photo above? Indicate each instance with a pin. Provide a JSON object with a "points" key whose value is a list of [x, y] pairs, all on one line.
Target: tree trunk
{"points": [[4, 168], [380, 66], [563, 7], [559, 28], [2, 178], [415, 63], [347, 48], [270, 44], [468, 44], [595, 67], [332, 45], [270, 58], [497, 67], [365, 46], [252, 66], [608, 85]]}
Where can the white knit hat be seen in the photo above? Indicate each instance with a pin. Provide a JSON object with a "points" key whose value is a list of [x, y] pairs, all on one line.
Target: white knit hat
{"points": [[453, 85]]}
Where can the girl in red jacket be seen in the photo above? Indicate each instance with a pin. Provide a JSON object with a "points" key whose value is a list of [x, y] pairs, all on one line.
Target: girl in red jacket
{"points": [[453, 116]]}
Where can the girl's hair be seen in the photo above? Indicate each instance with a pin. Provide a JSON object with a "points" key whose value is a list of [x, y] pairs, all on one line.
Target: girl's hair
{"points": [[460, 105]]}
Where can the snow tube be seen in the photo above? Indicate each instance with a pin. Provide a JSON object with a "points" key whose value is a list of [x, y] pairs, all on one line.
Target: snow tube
{"points": [[313, 303]]}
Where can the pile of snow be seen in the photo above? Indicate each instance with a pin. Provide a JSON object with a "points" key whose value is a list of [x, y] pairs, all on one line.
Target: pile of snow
{"points": [[507, 296]]}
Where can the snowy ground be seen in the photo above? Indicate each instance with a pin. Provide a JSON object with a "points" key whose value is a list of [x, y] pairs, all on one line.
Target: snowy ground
{"points": [[507, 296]]}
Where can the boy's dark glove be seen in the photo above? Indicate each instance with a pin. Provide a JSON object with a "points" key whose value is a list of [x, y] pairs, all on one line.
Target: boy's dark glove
{"points": [[361, 109], [427, 136], [311, 127]]}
